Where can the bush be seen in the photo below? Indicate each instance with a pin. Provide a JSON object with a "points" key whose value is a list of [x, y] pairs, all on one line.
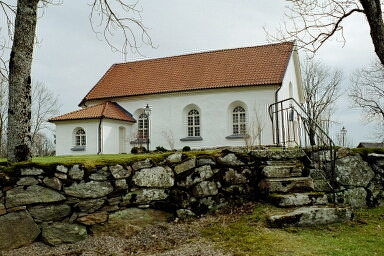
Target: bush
{"points": [[138, 150], [186, 148], [161, 149]]}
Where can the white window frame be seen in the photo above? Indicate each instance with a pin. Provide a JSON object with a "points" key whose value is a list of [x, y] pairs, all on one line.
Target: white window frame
{"points": [[239, 121], [142, 126], [193, 123]]}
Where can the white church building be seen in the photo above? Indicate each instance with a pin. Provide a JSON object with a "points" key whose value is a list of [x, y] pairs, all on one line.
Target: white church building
{"points": [[203, 100]]}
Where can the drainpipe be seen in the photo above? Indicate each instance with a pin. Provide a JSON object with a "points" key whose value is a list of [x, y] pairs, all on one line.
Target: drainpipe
{"points": [[277, 116], [99, 139]]}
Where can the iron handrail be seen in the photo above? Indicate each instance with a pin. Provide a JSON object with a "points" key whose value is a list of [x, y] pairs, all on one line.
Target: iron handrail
{"points": [[293, 127]]}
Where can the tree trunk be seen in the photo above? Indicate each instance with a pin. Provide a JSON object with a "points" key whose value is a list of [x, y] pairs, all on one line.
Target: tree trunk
{"points": [[372, 9], [19, 109]]}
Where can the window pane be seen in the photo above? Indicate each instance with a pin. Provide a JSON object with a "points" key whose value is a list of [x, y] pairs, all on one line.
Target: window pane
{"points": [[197, 131], [190, 120], [197, 120], [235, 129], [83, 142], [190, 131], [242, 129], [242, 117], [235, 118]]}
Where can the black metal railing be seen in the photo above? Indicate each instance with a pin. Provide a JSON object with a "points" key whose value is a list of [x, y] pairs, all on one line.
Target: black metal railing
{"points": [[293, 127]]}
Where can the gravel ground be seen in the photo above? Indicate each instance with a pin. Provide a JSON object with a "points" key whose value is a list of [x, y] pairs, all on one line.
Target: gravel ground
{"points": [[172, 239]]}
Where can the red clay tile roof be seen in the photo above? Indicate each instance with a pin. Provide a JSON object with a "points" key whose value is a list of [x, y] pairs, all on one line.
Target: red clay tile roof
{"points": [[259, 65], [109, 110]]}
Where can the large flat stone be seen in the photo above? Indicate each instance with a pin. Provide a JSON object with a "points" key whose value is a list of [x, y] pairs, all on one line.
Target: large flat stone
{"points": [[286, 185], [298, 199], [92, 189], [33, 194], [158, 177], [310, 216], [17, 229], [282, 171], [61, 233]]}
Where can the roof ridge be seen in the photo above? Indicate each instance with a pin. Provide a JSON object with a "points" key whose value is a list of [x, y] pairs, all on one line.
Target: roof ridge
{"points": [[205, 52]]}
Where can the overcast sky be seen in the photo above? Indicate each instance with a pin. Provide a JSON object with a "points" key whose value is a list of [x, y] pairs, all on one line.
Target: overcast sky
{"points": [[70, 59]]}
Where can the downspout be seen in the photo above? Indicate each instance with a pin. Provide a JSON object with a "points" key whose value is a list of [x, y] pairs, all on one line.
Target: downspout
{"points": [[99, 142], [277, 116]]}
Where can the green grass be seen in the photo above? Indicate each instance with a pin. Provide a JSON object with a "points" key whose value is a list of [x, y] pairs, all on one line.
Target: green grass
{"points": [[249, 235], [92, 161]]}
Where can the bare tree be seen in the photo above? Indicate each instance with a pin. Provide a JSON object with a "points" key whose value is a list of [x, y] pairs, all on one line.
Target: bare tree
{"points": [[321, 91], [367, 93], [255, 128], [23, 31], [169, 137], [313, 22], [43, 146], [44, 106]]}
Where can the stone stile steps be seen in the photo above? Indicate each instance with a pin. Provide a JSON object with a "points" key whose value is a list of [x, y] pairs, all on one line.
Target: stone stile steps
{"points": [[286, 185]]}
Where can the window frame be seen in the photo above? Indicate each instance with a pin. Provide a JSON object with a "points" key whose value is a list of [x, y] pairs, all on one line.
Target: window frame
{"points": [[239, 121], [143, 127], [79, 139], [193, 123]]}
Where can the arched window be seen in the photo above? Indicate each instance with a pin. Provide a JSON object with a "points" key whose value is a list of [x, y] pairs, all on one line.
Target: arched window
{"points": [[80, 138], [193, 127], [239, 121], [143, 127]]}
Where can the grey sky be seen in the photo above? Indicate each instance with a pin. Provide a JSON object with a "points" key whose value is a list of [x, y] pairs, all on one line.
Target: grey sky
{"points": [[70, 59]]}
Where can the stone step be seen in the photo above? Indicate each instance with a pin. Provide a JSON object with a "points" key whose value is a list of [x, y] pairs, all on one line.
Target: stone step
{"points": [[311, 216], [298, 199], [282, 171], [286, 185], [291, 162]]}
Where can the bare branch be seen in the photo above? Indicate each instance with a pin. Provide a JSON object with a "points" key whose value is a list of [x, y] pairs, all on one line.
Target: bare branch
{"points": [[312, 23], [106, 15], [321, 90], [367, 92]]}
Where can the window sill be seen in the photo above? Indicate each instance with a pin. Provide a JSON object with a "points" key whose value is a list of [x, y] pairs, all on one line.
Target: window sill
{"points": [[237, 136], [78, 148], [139, 141], [197, 138]]}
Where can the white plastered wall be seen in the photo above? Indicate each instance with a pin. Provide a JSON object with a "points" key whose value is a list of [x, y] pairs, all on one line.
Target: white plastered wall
{"points": [[215, 106], [110, 136], [64, 136]]}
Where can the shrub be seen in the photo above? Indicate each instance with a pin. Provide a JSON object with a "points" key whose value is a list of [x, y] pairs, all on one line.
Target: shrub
{"points": [[138, 150], [161, 149], [186, 148], [134, 150]]}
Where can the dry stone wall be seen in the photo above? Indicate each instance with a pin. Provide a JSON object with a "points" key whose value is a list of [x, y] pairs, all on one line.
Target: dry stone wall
{"points": [[63, 205]]}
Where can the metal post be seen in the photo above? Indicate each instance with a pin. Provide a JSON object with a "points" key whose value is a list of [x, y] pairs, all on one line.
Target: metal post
{"points": [[147, 111]]}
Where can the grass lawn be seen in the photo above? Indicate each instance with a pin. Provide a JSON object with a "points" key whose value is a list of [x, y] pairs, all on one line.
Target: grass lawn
{"points": [[91, 161], [249, 235]]}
